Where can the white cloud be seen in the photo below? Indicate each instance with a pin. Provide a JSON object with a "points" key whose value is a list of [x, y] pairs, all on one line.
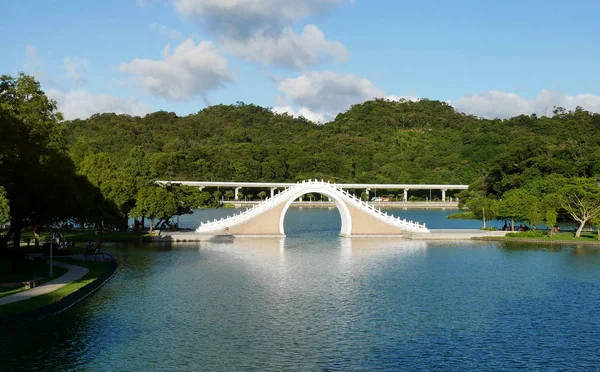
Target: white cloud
{"points": [[497, 104], [326, 93], [289, 49], [189, 71], [81, 104], [73, 67], [33, 64], [260, 30], [163, 30], [32, 61], [303, 111], [238, 18], [393, 97]]}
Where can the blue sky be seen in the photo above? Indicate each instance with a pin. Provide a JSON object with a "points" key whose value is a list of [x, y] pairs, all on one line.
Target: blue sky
{"points": [[307, 57]]}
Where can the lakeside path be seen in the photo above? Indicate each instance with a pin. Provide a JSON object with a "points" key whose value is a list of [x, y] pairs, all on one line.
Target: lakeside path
{"points": [[74, 273]]}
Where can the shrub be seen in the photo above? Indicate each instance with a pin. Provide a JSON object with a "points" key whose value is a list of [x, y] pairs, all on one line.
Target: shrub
{"points": [[526, 234]]}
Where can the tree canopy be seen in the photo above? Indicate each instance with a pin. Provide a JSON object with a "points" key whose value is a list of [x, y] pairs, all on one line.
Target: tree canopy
{"points": [[36, 173], [377, 141]]}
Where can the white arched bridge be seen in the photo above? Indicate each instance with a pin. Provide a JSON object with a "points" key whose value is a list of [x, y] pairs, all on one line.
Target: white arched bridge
{"points": [[358, 217]]}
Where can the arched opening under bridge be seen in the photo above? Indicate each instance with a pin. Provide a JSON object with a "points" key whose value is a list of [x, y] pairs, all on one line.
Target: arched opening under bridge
{"points": [[346, 219]]}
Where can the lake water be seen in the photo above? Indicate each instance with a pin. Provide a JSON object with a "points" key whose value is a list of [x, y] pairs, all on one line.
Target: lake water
{"points": [[314, 301]]}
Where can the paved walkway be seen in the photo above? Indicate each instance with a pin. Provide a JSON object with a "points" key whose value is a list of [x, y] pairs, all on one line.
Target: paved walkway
{"points": [[74, 273]]}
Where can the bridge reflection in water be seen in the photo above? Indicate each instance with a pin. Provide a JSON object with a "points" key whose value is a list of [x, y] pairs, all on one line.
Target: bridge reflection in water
{"points": [[263, 250]]}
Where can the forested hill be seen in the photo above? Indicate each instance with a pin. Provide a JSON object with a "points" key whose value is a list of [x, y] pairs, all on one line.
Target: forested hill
{"points": [[375, 142]]}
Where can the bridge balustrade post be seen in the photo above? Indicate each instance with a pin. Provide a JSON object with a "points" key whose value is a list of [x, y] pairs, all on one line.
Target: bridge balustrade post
{"points": [[273, 191]]}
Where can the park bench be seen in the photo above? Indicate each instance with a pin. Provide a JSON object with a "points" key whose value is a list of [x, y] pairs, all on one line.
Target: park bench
{"points": [[32, 283]]}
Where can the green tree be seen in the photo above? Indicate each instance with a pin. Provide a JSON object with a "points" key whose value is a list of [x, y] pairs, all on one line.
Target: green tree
{"points": [[154, 202], [483, 208], [35, 171], [581, 199], [4, 207], [216, 198], [262, 195], [550, 219], [549, 206], [596, 223], [518, 205], [118, 186]]}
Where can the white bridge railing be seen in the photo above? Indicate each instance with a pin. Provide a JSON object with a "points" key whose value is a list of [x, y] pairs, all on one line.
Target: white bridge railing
{"points": [[248, 214]]}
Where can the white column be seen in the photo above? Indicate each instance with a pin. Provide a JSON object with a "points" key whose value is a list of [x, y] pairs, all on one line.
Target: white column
{"points": [[200, 188], [237, 189], [273, 191], [405, 195], [444, 195], [367, 191]]}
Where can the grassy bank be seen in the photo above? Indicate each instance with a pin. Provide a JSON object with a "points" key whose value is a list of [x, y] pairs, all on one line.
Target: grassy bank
{"points": [[79, 235], [95, 270], [13, 282], [588, 237]]}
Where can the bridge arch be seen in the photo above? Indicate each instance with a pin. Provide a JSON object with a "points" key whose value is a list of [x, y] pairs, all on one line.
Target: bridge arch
{"points": [[339, 203], [266, 218]]}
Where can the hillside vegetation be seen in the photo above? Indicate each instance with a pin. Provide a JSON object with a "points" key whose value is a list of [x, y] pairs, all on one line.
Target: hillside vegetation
{"points": [[374, 142]]}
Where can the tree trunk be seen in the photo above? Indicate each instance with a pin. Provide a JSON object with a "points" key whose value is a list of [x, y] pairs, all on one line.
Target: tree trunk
{"points": [[581, 225], [143, 223], [484, 226], [151, 225], [512, 224], [36, 237], [5, 239], [16, 250], [598, 232]]}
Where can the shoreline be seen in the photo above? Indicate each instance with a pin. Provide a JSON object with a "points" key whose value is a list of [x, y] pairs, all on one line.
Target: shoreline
{"points": [[62, 304], [539, 241]]}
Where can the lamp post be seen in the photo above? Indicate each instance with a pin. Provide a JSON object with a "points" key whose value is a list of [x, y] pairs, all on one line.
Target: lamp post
{"points": [[51, 240]]}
